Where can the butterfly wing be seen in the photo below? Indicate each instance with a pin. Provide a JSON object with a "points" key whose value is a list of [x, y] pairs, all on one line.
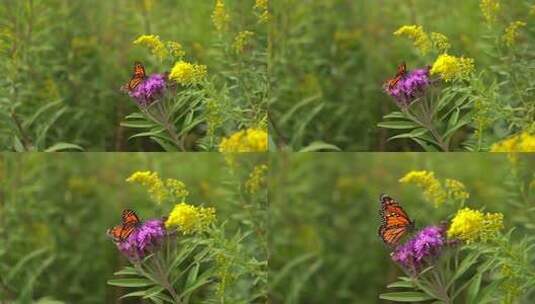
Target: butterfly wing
{"points": [[130, 222], [137, 77], [402, 70], [395, 222], [129, 217]]}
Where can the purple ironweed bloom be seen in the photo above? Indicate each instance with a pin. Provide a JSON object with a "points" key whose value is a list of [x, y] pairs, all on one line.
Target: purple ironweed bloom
{"points": [[144, 239], [409, 87], [421, 249], [149, 90]]}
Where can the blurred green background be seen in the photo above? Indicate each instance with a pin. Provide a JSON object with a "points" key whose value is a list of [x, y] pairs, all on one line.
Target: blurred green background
{"points": [[55, 210], [324, 215], [331, 58], [64, 63]]}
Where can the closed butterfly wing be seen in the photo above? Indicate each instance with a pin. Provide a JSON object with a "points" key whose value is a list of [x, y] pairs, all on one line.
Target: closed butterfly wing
{"points": [[137, 77], [402, 70], [129, 223]]}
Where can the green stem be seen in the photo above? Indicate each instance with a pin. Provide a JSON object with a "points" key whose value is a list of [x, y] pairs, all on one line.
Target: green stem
{"points": [[164, 280]]}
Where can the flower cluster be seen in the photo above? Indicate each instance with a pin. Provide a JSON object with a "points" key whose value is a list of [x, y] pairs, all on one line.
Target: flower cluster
{"points": [[190, 219], [149, 90], [176, 49], [187, 73], [417, 34], [143, 239], [241, 41], [220, 16], [440, 42], [451, 68], [471, 225], [263, 13], [249, 140], [511, 32], [490, 9], [256, 178], [421, 250], [433, 190], [176, 188], [522, 142], [456, 190], [154, 43], [152, 181], [410, 87]]}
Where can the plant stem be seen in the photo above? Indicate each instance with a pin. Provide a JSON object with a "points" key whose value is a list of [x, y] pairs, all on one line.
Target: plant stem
{"points": [[164, 280]]}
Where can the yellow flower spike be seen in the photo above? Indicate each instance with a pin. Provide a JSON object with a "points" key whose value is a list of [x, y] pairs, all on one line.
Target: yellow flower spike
{"points": [[440, 42], [176, 188], [220, 17], [155, 45], [522, 142], [490, 10], [453, 68], [152, 181], [190, 219], [511, 32], [417, 34], [241, 41], [456, 190], [471, 225], [250, 140], [426, 180], [176, 49], [187, 73], [256, 178], [262, 6]]}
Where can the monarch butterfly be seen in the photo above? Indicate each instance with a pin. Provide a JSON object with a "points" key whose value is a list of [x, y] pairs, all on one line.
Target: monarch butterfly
{"points": [[137, 77], [129, 222], [392, 82], [395, 222]]}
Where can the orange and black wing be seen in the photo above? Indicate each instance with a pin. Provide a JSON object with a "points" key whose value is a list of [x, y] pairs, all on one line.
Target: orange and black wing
{"points": [[395, 222], [137, 77], [129, 217], [402, 70]]}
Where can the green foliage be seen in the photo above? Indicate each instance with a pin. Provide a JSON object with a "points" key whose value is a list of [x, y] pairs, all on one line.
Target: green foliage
{"points": [[324, 217], [54, 213], [65, 62]]}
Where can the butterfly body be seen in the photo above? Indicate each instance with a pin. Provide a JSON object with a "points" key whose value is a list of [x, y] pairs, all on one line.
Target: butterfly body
{"points": [[129, 223], [395, 223], [392, 82], [137, 77]]}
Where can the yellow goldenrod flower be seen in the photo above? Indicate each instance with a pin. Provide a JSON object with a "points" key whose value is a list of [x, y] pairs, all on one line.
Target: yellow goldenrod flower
{"points": [[417, 34], [522, 142], [242, 41], [426, 180], [440, 42], [190, 219], [147, 4], [154, 43], [456, 190], [261, 4], [220, 17], [176, 49], [187, 73], [256, 178], [263, 11], [152, 181], [490, 9], [511, 32], [250, 140], [176, 188], [451, 68], [471, 225]]}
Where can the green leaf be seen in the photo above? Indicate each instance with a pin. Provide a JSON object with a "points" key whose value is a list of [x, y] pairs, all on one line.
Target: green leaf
{"points": [[395, 114], [401, 284], [127, 271], [130, 282], [153, 291], [473, 289], [467, 262], [401, 124], [318, 146], [22, 262], [414, 133], [63, 146], [408, 296], [138, 124], [138, 293]]}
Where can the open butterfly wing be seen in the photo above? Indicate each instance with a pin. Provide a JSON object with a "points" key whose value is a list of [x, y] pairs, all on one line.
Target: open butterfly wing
{"points": [[137, 77], [129, 217], [395, 222]]}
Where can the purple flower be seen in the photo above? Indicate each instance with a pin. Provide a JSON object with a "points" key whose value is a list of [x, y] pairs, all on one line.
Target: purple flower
{"points": [[410, 86], [149, 90], [143, 239], [421, 249]]}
